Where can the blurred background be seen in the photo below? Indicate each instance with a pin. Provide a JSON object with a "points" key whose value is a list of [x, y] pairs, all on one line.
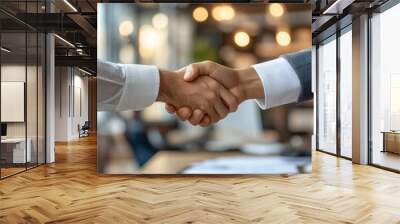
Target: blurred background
{"points": [[275, 141]]}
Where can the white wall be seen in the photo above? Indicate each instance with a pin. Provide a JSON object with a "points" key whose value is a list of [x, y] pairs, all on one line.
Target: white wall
{"points": [[69, 82]]}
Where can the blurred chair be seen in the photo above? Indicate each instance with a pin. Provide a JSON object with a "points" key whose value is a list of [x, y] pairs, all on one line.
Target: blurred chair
{"points": [[84, 130]]}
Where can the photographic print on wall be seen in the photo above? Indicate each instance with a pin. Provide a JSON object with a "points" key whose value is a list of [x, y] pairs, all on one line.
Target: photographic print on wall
{"points": [[244, 107]]}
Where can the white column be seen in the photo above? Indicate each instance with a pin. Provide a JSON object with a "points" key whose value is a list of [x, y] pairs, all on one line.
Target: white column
{"points": [[50, 99]]}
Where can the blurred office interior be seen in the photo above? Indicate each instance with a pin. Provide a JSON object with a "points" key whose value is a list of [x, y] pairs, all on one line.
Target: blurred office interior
{"points": [[174, 35]]}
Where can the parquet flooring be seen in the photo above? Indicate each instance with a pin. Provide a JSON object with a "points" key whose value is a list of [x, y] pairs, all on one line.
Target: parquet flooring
{"points": [[70, 191]]}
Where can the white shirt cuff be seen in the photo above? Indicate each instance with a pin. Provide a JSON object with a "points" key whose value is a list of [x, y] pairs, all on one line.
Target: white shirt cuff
{"points": [[280, 82], [141, 87]]}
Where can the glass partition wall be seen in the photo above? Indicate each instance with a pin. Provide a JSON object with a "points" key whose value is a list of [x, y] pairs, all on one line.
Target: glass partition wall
{"points": [[22, 98]]}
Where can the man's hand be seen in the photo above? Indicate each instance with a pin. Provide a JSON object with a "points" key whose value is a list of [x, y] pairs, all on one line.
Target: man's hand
{"points": [[242, 83], [204, 95]]}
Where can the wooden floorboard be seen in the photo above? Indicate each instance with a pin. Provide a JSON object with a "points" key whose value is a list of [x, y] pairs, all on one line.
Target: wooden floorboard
{"points": [[70, 191]]}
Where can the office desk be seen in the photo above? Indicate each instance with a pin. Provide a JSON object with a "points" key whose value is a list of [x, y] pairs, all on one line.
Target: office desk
{"points": [[170, 162], [13, 150]]}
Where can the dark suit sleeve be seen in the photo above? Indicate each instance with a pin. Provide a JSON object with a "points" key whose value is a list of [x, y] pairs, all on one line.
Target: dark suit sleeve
{"points": [[301, 64]]}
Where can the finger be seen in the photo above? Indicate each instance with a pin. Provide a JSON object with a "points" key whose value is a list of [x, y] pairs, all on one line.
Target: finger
{"points": [[229, 99], [170, 109], [221, 109], [196, 117], [197, 69], [214, 117], [205, 122], [184, 113]]}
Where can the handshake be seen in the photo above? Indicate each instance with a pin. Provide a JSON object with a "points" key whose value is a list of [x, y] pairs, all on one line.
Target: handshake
{"points": [[204, 93]]}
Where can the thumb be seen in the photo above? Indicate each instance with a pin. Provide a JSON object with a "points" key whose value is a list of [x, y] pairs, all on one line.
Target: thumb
{"points": [[195, 70], [190, 73]]}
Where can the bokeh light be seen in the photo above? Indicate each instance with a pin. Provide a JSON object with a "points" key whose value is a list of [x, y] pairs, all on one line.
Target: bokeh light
{"points": [[149, 41], [160, 21], [125, 28], [223, 13], [200, 14], [283, 38], [242, 39], [276, 9]]}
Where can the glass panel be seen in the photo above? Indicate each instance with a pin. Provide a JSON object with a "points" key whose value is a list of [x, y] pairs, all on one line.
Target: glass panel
{"points": [[31, 97], [346, 94], [327, 97], [385, 84], [41, 98], [13, 86]]}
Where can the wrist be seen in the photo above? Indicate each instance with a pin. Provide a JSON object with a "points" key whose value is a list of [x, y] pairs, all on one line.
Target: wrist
{"points": [[250, 83], [164, 92]]}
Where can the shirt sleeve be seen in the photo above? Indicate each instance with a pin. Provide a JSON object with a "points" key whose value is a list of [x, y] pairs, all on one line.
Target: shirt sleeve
{"points": [[126, 86], [280, 82]]}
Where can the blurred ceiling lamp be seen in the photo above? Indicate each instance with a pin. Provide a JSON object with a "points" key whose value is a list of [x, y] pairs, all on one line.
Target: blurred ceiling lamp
{"points": [[70, 5], [242, 39], [160, 21], [125, 28], [276, 9], [149, 41], [283, 38], [223, 13], [200, 14]]}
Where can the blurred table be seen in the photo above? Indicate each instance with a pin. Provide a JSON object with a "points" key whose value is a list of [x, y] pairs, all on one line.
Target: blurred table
{"points": [[170, 162]]}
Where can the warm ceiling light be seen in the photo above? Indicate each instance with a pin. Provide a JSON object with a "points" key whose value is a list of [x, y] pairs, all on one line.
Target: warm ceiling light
{"points": [[70, 5], [242, 39], [160, 21], [125, 28], [200, 14], [221, 13], [5, 50], [276, 10], [65, 41], [283, 38]]}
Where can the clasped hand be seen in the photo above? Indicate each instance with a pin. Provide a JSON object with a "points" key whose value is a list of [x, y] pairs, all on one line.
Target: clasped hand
{"points": [[204, 93]]}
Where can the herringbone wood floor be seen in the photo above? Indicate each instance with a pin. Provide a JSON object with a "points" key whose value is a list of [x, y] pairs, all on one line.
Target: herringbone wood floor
{"points": [[70, 191]]}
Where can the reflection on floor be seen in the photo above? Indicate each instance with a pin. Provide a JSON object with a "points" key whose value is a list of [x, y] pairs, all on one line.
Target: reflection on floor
{"points": [[386, 159], [70, 191], [14, 169], [10, 171]]}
